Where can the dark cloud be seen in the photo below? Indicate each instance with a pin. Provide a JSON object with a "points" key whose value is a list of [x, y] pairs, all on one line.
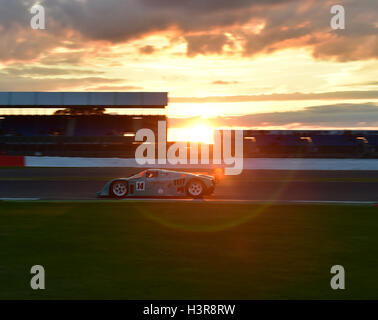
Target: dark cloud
{"points": [[337, 95], [307, 24], [120, 20], [201, 23], [207, 44], [328, 115], [337, 116], [147, 49]]}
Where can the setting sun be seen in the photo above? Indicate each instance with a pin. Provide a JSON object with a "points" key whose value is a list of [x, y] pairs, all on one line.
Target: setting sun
{"points": [[198, 133]]}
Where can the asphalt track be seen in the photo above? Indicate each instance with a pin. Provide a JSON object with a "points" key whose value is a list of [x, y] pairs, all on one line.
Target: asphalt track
{"points": [[262, 185]]}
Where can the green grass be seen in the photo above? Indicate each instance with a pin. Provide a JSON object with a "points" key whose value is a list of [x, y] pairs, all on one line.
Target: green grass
{"points": [[139, 250]]}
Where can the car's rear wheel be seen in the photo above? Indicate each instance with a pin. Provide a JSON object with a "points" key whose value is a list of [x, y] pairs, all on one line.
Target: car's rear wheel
{"points": [[119, 189], [195, 188]]}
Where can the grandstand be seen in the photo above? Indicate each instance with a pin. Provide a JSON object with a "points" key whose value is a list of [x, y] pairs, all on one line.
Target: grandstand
{"points": [[79, 125], [311, 144]]}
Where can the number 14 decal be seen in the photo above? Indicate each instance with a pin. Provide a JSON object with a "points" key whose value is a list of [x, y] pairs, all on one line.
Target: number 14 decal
{"points": [[140, 186]]}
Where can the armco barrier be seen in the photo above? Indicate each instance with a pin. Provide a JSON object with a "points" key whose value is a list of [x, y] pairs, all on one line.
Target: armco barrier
{"points": [[12, 161], [249, 164]]}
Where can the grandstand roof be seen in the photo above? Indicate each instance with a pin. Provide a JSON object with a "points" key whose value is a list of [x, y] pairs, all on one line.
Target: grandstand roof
{"points": [[83, 99]]}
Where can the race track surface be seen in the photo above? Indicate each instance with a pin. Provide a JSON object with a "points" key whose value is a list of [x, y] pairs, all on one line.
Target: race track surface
{"points": [[263, 185]]}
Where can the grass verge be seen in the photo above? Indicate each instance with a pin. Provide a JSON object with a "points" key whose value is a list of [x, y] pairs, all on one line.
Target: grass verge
{"points": [[142, 250]]}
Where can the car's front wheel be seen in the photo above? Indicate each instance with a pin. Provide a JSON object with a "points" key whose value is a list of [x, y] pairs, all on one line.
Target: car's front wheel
{"points": [[195, 188], [119, 189]]}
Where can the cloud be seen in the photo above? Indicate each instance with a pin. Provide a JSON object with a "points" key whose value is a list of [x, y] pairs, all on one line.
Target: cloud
{"points": [[222, 82], [20, 70], [331, 115], [326, 116], [366, 83], [206, 44], [207, 26], [307, 25], [147, 49], [114, 88], [337, 95], [10, 83]]}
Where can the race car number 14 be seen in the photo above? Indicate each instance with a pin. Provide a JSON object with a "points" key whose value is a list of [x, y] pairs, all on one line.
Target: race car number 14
{"points": [[140, 186]]}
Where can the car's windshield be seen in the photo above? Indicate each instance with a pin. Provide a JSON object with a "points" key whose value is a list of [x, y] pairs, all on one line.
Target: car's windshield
{"points": [[146, 173], [152, 174]]}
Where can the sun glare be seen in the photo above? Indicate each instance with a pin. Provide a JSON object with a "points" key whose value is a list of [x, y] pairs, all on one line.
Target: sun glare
{"points": [[198, 133]]}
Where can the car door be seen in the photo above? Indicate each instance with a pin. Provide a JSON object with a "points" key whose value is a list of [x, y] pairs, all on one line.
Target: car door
{"points": [[159, 183]]}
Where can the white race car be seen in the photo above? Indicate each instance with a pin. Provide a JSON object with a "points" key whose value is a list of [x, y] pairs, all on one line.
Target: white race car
{"points": [[161, 183]]}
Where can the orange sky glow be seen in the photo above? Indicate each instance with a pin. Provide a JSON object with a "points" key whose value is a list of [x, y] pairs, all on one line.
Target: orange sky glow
{"points": [[225, 65]]}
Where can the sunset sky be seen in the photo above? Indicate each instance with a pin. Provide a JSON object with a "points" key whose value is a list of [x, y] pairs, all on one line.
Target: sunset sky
{"points": [[240, 63]]}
